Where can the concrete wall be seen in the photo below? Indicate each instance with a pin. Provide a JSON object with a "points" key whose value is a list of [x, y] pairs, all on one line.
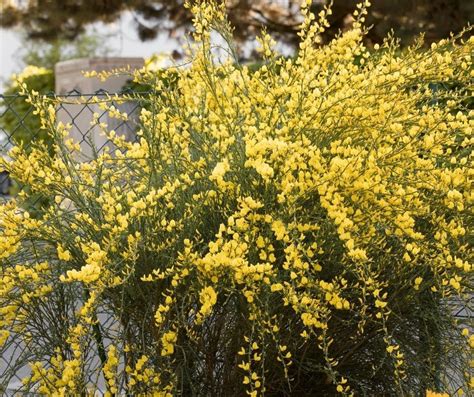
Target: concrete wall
{"points": [[68, 74], [69, 77]]}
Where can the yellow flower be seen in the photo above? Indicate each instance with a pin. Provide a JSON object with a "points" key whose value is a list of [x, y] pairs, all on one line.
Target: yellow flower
{"points": [[418, 281], [276, 287], [168, 341], [208, 298], [63, 254], [430, 393]]}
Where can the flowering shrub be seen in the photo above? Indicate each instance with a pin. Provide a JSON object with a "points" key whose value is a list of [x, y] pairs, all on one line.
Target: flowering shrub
{"points": [[301, 229]]}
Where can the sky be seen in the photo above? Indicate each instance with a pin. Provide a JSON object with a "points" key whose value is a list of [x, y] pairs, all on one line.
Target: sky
{"points": [[122, 39]]}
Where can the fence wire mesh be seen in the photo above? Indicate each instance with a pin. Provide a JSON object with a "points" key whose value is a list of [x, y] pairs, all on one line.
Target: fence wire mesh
{"points": [[20, 124]]}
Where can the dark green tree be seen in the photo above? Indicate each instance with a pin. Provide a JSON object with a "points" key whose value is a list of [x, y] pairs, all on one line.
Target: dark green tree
{"points": [[49, 19]]}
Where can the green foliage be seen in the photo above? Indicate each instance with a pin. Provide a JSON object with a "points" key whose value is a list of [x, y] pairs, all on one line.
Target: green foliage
{"points": [[19, 121]]}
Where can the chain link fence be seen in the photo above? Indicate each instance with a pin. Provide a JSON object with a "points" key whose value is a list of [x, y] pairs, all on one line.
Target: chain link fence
{"points": [[19, 124]]}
